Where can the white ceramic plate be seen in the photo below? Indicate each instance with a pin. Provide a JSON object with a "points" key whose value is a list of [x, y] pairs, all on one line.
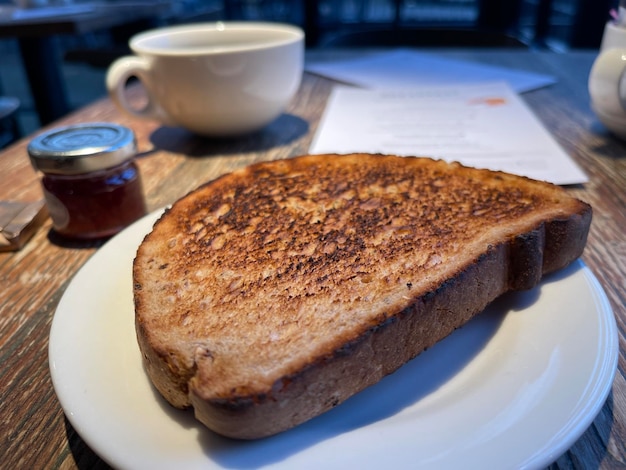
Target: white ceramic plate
{"points": [[514, 388]]}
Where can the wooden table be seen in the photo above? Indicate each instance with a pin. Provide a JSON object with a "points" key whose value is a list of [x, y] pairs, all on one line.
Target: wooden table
{"points": [[34, 431]]}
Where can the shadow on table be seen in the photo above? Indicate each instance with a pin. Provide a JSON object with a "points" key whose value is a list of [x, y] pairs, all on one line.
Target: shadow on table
{"points": [[64, 242], [611, 146], [84, 457], [281, 132]]}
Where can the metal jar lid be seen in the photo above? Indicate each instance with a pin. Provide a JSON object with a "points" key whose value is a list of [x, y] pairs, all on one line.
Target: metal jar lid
{"points": [[82, 148]]}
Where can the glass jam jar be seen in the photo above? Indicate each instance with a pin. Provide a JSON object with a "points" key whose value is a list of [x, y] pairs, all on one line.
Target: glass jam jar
{"points": [[90, 180]]}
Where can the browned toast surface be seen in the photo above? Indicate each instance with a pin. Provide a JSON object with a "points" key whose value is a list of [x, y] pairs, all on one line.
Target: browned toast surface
{"points": [[275, 292]]}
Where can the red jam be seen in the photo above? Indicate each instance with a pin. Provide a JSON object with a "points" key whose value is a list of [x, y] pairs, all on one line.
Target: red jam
{"points": [[90, 180], [97, 204]]}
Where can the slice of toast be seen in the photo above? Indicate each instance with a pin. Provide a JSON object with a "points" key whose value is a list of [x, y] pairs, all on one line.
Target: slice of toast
{"points": [[274, 293]]}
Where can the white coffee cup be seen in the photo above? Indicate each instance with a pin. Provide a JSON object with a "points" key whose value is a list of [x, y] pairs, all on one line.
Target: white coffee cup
{"points": [[607, 80], [215, 79]]}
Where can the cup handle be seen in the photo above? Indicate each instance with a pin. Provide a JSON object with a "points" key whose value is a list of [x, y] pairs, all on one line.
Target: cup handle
{"points": [[607, 82], [118, 74]]}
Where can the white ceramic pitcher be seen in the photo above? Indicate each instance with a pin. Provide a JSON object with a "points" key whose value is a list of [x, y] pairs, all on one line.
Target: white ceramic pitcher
{"points": [[607, 79]]}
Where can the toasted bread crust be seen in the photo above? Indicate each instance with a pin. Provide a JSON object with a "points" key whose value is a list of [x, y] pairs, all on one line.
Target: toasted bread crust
{"points": [[274, 293]]}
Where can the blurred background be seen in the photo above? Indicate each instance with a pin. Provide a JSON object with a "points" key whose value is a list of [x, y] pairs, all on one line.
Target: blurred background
{"points": [[83, 53]]}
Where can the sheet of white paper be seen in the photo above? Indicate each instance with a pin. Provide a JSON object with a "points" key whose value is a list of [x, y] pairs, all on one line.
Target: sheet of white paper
{"points": [[403, 68], [482, 125]]}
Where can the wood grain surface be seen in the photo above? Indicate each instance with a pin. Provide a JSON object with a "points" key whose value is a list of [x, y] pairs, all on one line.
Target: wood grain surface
{"points": [[34, 431]]}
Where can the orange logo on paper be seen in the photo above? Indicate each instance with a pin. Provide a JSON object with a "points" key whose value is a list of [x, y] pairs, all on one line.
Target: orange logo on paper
{"points": [[489, 101]]}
